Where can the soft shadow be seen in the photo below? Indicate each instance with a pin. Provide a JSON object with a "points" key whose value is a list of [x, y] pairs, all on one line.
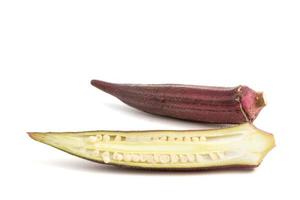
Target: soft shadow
{"points": [[166, 120], [87, 166]]}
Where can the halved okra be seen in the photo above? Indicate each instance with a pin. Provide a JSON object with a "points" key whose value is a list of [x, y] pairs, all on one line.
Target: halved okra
{"points": [[238, 146]]}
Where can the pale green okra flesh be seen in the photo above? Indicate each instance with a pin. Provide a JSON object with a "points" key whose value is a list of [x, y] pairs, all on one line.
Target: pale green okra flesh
{"points": [[242, 145]]}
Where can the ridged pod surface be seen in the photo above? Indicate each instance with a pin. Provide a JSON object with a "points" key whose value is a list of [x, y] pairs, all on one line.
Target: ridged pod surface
{"points": [[232, 105], [235, 147]]}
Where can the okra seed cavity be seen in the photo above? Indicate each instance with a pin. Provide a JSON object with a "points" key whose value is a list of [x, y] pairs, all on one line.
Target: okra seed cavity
{"points": [[158, 158], [106, 138]]}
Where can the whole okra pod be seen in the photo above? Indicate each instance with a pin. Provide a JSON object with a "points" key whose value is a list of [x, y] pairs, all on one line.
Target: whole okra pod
{"points": [[231, 105]]}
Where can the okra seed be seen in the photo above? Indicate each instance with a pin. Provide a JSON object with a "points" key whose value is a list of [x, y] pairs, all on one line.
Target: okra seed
{"points": [[199, 158], [202, 139], [119, 157], [150, 158], [117, 138], [106, 138], [183, 158], [93, 139], [115, 156], [220, 154], [135, 158], [195, 139], [213, 156], [99, 137], [127, 157], [191, 157], [187, 139], [143, 158], [164, 158], [174, 158], [106, 157]]}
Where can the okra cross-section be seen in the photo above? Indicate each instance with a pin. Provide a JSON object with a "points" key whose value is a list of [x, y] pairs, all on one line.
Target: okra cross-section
{"points": [[239, 146]]}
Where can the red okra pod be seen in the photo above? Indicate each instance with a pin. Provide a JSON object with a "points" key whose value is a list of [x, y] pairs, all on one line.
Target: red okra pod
{"points": [[232, 105]]}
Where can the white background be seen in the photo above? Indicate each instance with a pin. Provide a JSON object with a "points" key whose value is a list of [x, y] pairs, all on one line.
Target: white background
{"points": [[49, 51]]}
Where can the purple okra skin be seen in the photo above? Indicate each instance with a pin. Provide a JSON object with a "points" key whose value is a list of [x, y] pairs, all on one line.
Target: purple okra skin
{"points": [[224, 105]]}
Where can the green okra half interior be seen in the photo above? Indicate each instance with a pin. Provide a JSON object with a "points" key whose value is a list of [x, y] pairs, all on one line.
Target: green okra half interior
{"points": [[238, 146]]}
